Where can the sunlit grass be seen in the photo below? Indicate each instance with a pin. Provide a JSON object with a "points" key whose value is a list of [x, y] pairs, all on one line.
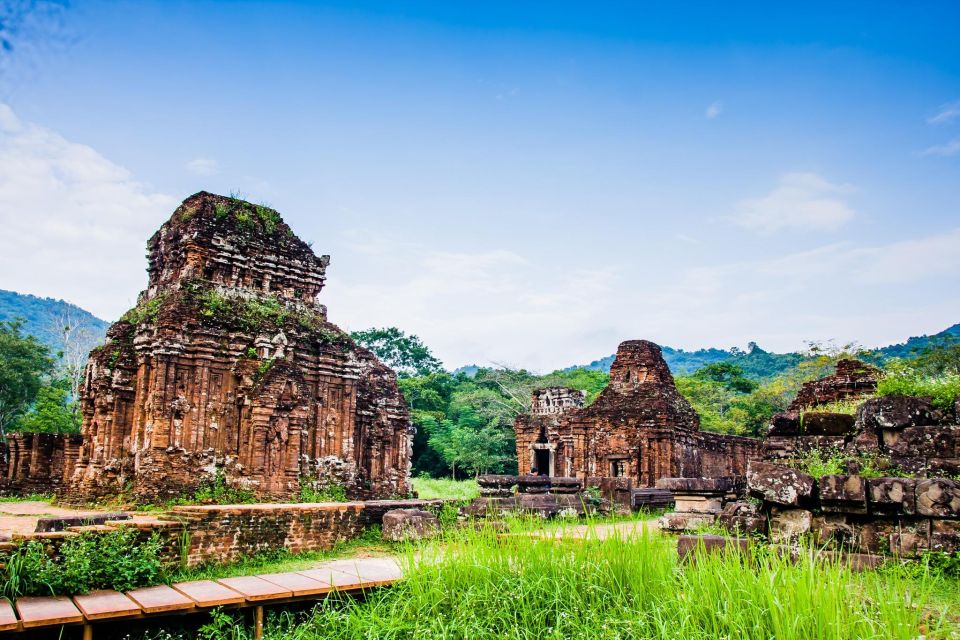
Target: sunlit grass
{"points": [[445, 488], [480, 584]]}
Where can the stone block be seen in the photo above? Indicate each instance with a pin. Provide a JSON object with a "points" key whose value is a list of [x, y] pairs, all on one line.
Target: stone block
{"points": [[901, 536], [409, 524], [533, 484], [689, 546], [788, 525], [842, 493], [785, 424], [779, 485], [892, 496], [864, 443], [696, 486], [923, 442], [941, 467], [685, 521], [566, 485], [938, 498], [698, 504], [497, 485], [819, 423], [896, 412], [945, 536], [832, 529], [742, 518]]}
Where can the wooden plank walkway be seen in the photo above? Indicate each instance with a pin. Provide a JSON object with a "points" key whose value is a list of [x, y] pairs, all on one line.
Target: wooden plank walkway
{"points": [[199, 596]]}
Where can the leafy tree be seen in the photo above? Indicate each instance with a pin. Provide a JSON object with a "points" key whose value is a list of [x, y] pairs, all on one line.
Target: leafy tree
{"points": [[407, 355], [727, 374], [471, 443], [54, 410], [23, 363]]}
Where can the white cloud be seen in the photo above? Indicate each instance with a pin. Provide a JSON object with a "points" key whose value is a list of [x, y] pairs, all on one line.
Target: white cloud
{"points": [[499, 306], [801, 201], [947, 113], [75, 224], [202, 166], [713, 110], [952, 148]]}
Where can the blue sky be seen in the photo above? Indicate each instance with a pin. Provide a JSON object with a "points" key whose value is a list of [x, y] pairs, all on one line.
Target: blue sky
{"points": [[522, 185]]}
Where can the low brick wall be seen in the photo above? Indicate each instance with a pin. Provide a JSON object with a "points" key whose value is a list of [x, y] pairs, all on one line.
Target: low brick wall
{"points": [[218, 534]]}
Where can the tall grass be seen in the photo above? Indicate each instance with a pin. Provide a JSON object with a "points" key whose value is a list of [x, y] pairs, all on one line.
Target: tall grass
{"points": [[445, 488], [942, 390], [484, 586]]}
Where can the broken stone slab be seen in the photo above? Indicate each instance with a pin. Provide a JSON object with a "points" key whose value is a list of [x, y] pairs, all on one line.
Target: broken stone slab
{"points": [[785, 424], [778, 484], [892, 496], [821, 423], [742, 518], [566, 485], [409, 524], [896, 412], [63, 523], [689, 546], [843, 493], [533, 484], [497, 485], [697, 486], [685, 521], [923, 442], [788, 525], [938, 498]]}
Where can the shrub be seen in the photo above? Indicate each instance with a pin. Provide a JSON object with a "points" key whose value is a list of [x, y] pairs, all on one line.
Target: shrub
{"points": [[330, 493], [942, 390], [217, 491], [115, 560]]}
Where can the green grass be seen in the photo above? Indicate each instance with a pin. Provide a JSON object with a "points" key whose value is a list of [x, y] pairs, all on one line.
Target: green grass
{"points": [[445, 488], [942, 390], [30, 497], [484, 586]]}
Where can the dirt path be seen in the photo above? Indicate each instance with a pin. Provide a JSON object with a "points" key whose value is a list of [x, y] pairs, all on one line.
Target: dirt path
{"points": [[21, 517]]}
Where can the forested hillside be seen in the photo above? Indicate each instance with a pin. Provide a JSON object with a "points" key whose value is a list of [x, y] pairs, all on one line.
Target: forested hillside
{"points": [[47, 319], [757, 363]]}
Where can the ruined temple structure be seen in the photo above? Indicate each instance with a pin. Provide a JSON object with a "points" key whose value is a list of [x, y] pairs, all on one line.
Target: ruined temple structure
{"points": [[228, 367], [640, 428], [853, 379]]}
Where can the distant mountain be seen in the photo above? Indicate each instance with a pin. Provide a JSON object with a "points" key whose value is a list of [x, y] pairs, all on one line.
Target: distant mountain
{"points": [[41, 317], [758, 363]]}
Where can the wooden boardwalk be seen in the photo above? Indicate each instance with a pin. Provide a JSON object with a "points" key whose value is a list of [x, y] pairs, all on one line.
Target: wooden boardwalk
{"points": [[350, 576]]}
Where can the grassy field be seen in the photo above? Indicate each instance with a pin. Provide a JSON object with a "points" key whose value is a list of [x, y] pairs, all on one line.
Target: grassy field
{"points": [[445, 488], [477, 585]]}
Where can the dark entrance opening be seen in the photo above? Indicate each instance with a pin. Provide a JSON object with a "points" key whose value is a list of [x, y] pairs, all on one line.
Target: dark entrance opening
{"points": [[542, 459]]}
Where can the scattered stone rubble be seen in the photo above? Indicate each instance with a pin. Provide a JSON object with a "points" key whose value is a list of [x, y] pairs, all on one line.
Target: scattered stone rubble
{"points": [[226, 367], [409, 524], [913, 509]]}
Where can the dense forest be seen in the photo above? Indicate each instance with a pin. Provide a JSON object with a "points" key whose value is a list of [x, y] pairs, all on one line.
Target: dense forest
{"points": [[464, 419]]}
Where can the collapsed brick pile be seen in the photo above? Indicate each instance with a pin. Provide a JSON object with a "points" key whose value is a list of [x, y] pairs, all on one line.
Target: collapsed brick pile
{"points": [[228, 367], [898, 492]]}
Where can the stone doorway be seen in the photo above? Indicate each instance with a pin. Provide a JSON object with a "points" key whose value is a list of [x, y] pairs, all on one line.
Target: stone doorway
{"points": [[542, 461]]}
